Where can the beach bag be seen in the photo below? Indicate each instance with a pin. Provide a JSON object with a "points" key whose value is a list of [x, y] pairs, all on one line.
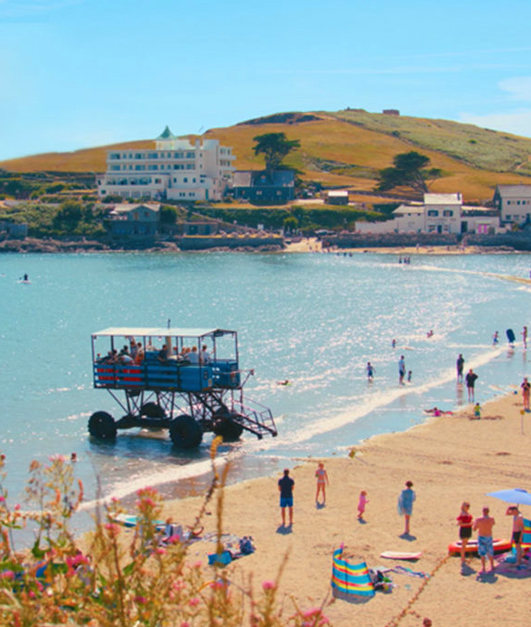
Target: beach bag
{"points": [[246, 545]]}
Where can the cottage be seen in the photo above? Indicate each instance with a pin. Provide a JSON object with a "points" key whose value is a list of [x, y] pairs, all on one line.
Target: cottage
{"points": [[337, 197], [514, 203], [137, 221], [263, 187]]}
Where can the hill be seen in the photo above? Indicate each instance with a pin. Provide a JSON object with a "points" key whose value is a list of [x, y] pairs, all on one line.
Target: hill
{"points": [[347, 148]]}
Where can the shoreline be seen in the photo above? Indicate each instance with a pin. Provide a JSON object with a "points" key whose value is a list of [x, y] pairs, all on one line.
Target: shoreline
{"points": [[306, 245], [438, 457]]}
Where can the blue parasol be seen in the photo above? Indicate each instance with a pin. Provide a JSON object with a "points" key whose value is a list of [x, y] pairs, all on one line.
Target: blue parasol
{"points": [[518, 496]]}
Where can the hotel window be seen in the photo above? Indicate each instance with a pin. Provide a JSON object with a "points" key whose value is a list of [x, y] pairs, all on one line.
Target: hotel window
{"points": [[448, 213], [185, 180], [153, 167], [433, 213], [191, 194]]}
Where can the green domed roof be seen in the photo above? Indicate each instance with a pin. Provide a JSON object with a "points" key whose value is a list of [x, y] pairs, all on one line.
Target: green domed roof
{"points": [[166, 134]]}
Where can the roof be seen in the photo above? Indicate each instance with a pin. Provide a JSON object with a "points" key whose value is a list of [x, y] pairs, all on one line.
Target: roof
{"points": [[339, 193], [159, 332], [166, 134], [419, 209], [127, 207], [262, 178], [443, 199], [514, 191]]}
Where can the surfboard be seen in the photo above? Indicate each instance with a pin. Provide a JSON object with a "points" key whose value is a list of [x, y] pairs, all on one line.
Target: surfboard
{"points": [[400, 555], [510, 336]]}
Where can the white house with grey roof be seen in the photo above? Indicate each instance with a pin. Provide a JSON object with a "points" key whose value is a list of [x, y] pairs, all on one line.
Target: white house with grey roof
{"points": [[175, 169], [514, 203], [440, 213]]}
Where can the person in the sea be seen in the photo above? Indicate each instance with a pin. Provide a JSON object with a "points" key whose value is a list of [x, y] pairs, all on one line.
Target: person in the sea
{"points": [[409, 375], [401, 369], [322, 482], [465, 521], [524, 337], [460, 363], [369, 368], [405, 505], [470, 381], [495, 338], [483, 526], [285, 382]]}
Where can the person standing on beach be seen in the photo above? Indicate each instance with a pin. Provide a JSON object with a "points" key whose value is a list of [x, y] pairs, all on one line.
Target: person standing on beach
{"points": [[465, 521], [470, 380], [285, 487], [518, 530], [526, 389], [401, 370], [322, 482], [483, 526], [370, 371], [362, 502], [460, 365], [405, 504]]}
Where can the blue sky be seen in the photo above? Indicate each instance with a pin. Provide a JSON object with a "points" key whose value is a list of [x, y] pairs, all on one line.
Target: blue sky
{"points": [[81, 73]]}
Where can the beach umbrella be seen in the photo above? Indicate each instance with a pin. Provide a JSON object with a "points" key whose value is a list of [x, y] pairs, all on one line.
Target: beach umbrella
{"points": [[518, 496]]}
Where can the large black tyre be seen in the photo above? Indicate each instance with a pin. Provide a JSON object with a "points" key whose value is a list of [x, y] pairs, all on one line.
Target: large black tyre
{"points": [[152, 410], [101, 425], [226, 426], [185, 432]]}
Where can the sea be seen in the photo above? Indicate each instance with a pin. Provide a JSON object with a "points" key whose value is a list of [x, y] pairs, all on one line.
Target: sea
{"points": [[314, 319]]}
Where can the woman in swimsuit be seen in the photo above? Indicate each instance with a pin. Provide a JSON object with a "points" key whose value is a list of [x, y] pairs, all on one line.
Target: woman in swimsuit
{"points": [[322, 480], [464, 520]]}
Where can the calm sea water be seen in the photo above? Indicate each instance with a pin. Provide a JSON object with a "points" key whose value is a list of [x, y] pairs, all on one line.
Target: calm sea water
{"points": [[315, 319]]}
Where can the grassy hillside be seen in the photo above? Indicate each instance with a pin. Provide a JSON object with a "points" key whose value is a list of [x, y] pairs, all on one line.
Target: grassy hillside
{"points": [[346, 148]]}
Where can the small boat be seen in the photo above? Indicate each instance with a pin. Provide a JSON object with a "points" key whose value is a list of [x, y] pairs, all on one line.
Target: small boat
{"points": [[500, 546]]}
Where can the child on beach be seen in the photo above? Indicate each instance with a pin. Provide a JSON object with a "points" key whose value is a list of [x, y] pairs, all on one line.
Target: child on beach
{"points": [[405, 505], [322, 481], [477, 411], [363, 500]]}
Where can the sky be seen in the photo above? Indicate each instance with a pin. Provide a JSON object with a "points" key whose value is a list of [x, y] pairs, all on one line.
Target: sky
{"points": [[82, 73]]}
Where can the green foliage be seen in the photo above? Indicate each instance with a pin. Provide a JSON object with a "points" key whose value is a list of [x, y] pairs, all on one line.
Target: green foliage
{"points": [[290, 223], [274, 147], [409, 170], [168, 215], [121, 579]]}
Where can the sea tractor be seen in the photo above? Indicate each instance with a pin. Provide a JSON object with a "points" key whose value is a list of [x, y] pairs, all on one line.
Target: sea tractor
{"points": [[185, 380]]}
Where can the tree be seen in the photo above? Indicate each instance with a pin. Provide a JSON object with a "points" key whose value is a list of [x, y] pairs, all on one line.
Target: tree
{"points": [[274, 147], [410, 170], [168, 215]]}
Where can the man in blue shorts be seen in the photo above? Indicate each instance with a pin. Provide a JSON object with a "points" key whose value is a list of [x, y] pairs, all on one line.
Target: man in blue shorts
{"points": [[285, 486], [483, 526]]}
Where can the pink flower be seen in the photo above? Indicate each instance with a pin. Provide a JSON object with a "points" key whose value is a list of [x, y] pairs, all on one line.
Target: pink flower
{"points": [[140, 599], [17, 507], [185, 623], [193, 601], [2, 499], [268, 585], [7, 574], [197, 565]]}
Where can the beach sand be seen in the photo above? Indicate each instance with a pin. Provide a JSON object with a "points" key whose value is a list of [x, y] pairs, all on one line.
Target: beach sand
{"points": [[449, 459]]}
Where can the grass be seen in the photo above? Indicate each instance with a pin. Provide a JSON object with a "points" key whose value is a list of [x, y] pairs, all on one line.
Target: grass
{"points": [[347, 148]]}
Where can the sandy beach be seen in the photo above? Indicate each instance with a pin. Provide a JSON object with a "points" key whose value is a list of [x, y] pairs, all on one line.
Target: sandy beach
{"points": [[449, 459]]}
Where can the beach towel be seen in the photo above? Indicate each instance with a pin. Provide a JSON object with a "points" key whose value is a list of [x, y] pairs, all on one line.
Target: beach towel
{"points": [[351, 578], [412, 573], [526, 536]]}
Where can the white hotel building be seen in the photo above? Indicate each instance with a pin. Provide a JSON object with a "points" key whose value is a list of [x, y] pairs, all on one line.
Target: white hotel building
{"points": [[176, 169]]}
